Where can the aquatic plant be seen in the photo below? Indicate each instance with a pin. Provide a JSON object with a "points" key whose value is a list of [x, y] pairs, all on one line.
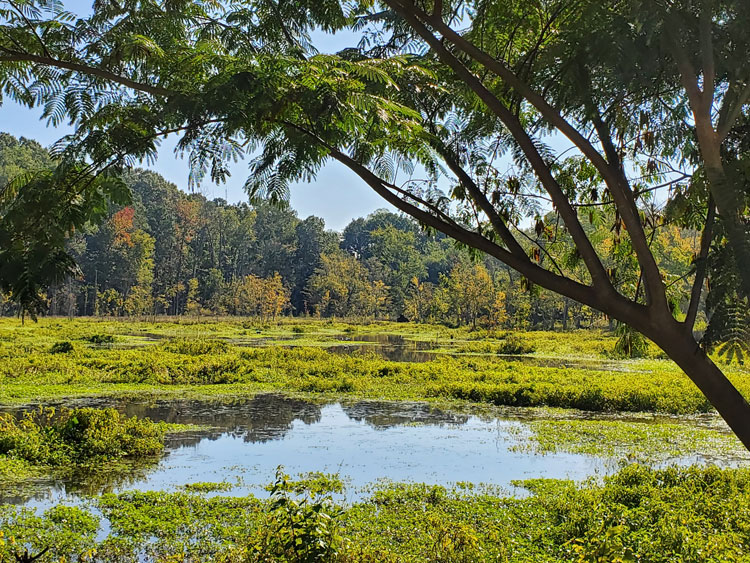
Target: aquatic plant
{"points": [[63, 347], [195, 346], [100, 339], [515, 344], [301, 526], [200, 366], [66, 437], [638, 514]]}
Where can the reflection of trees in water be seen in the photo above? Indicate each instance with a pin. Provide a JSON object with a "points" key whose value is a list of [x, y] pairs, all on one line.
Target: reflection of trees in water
{"points": [[391, 347], [93, 480], [260, 419], [264, 417], [385, 415]]}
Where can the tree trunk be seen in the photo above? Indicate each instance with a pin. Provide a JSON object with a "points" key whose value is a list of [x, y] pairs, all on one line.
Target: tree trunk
{"points": [[682, 348]]}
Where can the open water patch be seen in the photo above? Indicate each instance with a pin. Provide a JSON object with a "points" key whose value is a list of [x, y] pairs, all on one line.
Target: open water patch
{"points": [[363, 441], [243, 442]]}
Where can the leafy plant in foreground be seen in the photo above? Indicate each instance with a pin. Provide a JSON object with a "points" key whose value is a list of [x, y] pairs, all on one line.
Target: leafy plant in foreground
{"points": [[302, 527]]}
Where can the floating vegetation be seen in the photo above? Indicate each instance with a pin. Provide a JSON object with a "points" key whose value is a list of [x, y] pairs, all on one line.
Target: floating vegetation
{"points": [[638, 514], [645, 442]]}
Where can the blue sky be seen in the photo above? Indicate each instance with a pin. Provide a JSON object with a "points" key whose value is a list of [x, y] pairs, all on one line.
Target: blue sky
{"points": [[337, 195]]}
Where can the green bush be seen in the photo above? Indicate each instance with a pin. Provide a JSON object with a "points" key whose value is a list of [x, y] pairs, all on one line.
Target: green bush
{"points": [[515, 345], [302, 526], [63, 347], [100, 339], [77, 436]]}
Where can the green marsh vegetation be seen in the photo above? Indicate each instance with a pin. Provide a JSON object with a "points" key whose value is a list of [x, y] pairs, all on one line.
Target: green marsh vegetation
{"points": [[49, 442], [654, 515], [561, 376], [638, 514], [56, 358]]}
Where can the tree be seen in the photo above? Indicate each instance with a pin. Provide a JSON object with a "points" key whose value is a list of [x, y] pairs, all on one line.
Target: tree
{"points": [[312, 241], [39, 212], [265, 298], [470, 292], [491, 80], [394, 255], [341, 286]]}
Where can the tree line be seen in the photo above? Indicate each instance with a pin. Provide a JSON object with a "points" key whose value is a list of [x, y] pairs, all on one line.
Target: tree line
{"points": [[168, 252]]}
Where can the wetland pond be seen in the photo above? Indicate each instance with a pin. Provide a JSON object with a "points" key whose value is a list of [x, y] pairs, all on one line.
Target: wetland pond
{"points": [[243, 442], [391, 347]]}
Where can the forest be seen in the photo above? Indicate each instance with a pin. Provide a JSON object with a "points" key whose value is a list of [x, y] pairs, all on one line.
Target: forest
{"points": [[171, 252]]}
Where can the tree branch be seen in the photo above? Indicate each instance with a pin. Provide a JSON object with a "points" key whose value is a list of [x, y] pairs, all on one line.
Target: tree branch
{"points": [[707, 53], [481, 200], [15, 56], [701, 267], [614, 178], [728, 117], [30, 26], [591, 259]]}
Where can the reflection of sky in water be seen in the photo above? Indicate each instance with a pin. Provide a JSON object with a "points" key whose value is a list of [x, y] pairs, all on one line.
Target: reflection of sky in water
{"points": [[362, 442], [475, 451]]}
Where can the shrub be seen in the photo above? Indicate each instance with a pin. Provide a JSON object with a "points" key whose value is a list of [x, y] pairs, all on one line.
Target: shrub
{"points": [[100, 339], [302, 526], [75, 436], [64, 347], [514, 344]]}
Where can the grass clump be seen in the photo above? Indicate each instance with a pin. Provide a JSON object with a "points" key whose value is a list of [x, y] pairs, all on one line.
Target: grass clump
{"points": [[64, 347], [208, 487], [100, 339], [514, 344]]}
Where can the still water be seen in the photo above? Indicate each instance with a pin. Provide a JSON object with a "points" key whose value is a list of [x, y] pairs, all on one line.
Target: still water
{"points": [[394, 348], [362, 442]]}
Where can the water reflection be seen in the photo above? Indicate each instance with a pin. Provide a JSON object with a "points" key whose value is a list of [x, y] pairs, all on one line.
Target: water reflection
{"points": [[363, 441], [385, 414], [262, 418], [395, 348]]}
